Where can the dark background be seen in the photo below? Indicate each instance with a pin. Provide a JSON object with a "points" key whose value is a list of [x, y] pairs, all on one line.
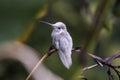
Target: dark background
{"points": [[19, 21]]}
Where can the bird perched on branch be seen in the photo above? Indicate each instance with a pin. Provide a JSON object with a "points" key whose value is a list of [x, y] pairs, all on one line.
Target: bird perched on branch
{"points": [[62, 41]]}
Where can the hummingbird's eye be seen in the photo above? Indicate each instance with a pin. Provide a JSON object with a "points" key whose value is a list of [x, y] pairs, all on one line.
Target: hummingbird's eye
{"points": [[59, 28]]}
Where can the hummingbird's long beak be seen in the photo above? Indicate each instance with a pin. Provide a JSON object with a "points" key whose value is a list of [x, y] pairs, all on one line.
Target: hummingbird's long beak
{"points": [[46, 23]]}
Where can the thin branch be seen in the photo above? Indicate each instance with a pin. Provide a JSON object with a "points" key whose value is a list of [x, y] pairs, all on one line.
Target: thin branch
{"points": [[90, 67], [109, 59], [118, 74], [50, 51], [78, 50], [110, 75], [41, 60]]}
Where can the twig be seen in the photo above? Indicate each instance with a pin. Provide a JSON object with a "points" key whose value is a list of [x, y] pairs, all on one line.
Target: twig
{"points": [[90, 67], [118, 74], [101, 61], [50, 51], [41, 60], [110, 76]]}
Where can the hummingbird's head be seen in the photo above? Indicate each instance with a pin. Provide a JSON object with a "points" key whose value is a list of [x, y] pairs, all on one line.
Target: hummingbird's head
{"points": [[57, 27]]}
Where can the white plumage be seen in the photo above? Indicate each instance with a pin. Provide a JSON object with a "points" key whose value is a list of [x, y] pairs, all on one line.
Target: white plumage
{"points": [[62, 40]]}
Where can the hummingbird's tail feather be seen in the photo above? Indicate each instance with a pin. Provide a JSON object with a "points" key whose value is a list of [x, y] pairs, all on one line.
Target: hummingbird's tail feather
{"points": [[66, 59]]}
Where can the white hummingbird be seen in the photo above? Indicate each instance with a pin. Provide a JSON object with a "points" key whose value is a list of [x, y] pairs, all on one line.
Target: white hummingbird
{"points": [[62, 40]]}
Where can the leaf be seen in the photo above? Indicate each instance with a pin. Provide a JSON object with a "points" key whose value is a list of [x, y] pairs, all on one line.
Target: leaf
{"points": [[31, 26]]}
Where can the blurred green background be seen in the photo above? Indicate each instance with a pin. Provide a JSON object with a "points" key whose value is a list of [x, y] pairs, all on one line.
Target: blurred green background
{"points": [[19, 21]]}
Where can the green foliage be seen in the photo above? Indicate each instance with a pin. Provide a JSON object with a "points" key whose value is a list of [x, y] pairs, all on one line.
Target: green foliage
{"points": [[15, 16], [19, 21]]}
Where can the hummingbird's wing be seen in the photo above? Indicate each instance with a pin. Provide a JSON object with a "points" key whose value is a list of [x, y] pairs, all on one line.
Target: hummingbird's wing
{"points": [[65, 51]]}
